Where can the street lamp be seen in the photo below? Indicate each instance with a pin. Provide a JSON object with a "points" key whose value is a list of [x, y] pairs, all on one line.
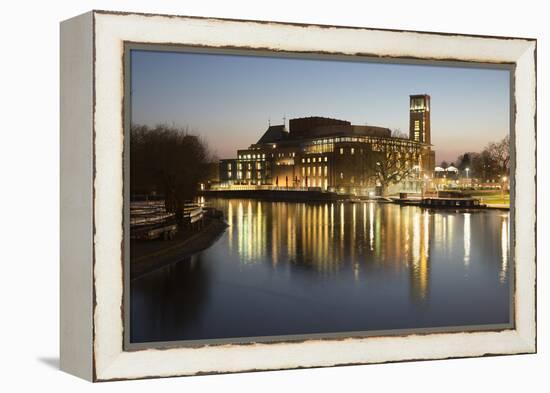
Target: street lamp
{"points": [[503, 183], [467, 175]]}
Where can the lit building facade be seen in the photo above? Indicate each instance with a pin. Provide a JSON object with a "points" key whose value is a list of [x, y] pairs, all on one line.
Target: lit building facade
{"points": [[332, 155], [420, 128]]}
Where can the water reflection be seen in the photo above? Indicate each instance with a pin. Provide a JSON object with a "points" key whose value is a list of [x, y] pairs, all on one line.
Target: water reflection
{"points": [[466, 239], [396, 237], [296, 268], [504, 236]]}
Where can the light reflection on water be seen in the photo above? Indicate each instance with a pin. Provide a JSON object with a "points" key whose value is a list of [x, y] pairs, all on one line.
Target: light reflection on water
{"points": [[297, 268]]}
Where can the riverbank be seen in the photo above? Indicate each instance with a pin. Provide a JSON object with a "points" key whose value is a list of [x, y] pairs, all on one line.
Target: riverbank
{"points": [[150, 255], [276, 195]]}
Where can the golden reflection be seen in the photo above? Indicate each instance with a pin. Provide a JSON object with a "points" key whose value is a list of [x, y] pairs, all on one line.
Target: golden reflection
{"points": [[467, 239], [427, 233], [504, 249], [438, 228], [249, 234], [201, 201], [291, 238], [342, 233], [371, 225], [353, 232], [316, 235], [332, 220], [326, 255], [240, 228], [420, 255], [450, 226], [444, 232], [378, 220], [230, 224], [416, 240]]}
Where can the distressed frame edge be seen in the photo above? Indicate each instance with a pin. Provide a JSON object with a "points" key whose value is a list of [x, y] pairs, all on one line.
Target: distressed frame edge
{"points": [[526, 340], [76, 196]]}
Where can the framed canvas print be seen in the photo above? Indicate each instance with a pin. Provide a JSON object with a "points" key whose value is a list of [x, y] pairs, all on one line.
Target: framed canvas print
{"points": [[246, 195]]}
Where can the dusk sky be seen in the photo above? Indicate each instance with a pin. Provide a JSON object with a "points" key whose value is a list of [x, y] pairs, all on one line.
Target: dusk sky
{"points": [[229, 99]]}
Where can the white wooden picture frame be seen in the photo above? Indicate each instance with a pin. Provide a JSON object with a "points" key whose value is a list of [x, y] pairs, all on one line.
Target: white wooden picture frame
{"points": [[92, 194]]}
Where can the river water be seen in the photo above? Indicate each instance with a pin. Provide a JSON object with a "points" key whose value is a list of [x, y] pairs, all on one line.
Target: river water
{"points": [[303, 268]]}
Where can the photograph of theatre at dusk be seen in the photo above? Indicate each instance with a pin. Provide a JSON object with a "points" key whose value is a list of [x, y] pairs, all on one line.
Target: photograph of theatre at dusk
{"points": [[273, 198]]}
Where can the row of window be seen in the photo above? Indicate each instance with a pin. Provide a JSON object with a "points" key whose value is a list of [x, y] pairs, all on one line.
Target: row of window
{"points": [[248, 175], [364, 139], [315, 171], [314, 159], [258, 166], [251, 156]]}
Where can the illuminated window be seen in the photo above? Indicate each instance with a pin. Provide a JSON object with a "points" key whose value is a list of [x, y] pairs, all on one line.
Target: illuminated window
{"points": [[320, 170], [259, 165], [303, 160], [308, 160], [326, 170], [229, 174], [303, 171], [314, 159], [313, 171], [248, 174], [308, 171], [259, 175], [239, 166], [229, 166], [239, 175], [341, 150], [326, 159], [352, 150], [249, 166], [341, 175]]}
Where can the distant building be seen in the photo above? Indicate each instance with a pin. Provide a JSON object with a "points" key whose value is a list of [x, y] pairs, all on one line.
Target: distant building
{"points": [[331, 154], [420, 128]]}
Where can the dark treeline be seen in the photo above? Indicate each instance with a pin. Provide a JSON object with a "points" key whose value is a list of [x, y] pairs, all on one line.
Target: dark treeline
{"points": [[489, 164], [167, 161]]}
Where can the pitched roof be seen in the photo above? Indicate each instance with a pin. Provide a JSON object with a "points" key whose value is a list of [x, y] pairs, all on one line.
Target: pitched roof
{"points": [[274, 134]]}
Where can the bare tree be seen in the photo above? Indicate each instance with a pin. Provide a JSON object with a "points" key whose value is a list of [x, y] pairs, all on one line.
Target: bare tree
{"points": [[397, 133], [390, 167], [499, 152], [169, 161], [493, 161]]}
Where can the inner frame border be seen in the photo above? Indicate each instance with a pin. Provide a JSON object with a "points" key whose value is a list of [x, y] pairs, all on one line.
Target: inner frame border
{"points": [[129, 46]]}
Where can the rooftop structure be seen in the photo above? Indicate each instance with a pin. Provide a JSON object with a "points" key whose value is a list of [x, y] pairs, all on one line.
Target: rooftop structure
{"points": [[332, 154]]}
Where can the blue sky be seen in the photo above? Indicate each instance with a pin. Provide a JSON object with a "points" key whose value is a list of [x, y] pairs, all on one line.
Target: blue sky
{"points": [[229, 99]]}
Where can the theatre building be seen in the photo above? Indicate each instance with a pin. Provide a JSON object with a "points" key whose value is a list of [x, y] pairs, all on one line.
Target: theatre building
{"points": [[334, 155]]}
